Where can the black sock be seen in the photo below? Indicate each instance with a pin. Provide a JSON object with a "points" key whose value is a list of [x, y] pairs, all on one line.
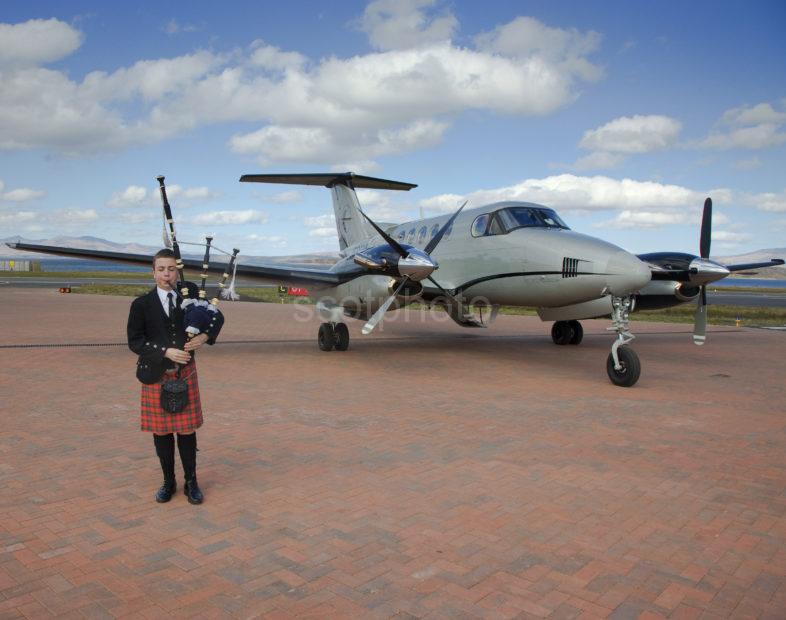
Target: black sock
{"points": [[187, 446], [165, 449]]}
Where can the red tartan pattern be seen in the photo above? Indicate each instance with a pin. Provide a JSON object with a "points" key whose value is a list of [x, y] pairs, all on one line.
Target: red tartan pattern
{"points": [[156, 420]]}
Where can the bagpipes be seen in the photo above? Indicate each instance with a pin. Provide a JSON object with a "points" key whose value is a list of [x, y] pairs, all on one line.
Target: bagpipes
{"points": [[198, 312]]}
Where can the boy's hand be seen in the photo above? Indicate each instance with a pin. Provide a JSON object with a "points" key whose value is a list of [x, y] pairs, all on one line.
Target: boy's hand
{"points": [[197, 341], [178, 356]]}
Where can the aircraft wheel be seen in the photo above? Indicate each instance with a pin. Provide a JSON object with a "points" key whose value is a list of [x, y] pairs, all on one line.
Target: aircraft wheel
{"points": [[561, 332], [630, 371], [326, 337], [341, 335], [578, 332]]}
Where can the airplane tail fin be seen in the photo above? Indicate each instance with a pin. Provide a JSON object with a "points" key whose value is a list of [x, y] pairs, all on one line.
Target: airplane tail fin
{"points": [[351, 226]]}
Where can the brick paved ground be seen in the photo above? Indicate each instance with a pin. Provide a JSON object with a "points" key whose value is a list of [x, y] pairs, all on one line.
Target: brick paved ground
{"points": [[429, 471]]}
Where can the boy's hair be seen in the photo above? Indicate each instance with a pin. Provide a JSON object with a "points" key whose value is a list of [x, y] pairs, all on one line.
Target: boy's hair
{"points": [[165, 253]]}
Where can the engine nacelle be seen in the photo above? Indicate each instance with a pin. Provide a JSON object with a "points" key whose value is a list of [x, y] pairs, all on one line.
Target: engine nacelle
{"points": [[363, 296], [665, 294]]}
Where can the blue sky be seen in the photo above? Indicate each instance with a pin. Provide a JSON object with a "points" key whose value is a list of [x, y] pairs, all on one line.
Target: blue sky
{"points": [[621, 115]]}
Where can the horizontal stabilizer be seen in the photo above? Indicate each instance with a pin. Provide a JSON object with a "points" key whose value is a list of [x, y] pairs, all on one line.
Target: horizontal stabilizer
{"points": [[328, 179]]}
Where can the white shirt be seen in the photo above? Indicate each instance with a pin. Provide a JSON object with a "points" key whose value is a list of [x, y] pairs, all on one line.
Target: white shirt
{"points": [[163, 296]]}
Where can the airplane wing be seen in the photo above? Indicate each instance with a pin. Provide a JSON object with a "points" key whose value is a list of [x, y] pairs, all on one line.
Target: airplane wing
{"points": [[251, 269]]}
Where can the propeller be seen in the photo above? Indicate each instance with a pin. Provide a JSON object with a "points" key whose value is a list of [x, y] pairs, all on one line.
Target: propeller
{"points": [[413, 264], [700, 318], [702, 271]]}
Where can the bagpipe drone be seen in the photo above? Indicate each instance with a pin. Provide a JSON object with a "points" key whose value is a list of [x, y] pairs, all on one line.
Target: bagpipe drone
{"points": [[198, 312]]}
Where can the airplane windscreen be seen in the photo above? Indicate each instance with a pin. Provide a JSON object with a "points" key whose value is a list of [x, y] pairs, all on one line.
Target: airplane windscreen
{"points": [[520, 217]]}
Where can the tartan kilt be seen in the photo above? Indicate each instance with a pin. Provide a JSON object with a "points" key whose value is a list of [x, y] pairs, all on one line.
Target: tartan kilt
{"points": [[156, 420]]}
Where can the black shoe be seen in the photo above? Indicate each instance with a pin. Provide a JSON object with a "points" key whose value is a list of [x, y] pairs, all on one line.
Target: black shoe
{"points": [[165, 493], [192, 492]]}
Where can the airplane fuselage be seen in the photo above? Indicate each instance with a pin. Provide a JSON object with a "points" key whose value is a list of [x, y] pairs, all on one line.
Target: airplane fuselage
{"points": [[544, 266]]}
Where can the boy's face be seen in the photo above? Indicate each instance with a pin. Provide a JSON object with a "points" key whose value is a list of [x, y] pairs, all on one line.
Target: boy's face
{"points": [[165, 273]]}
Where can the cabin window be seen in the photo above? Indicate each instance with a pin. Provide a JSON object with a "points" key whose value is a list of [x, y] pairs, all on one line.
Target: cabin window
{"points": [[401, 234], [422, 234], [434, 230], [448, 231], [479, 225], [411, 235]]}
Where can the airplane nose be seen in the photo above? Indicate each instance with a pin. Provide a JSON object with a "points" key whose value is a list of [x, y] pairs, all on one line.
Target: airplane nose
{"points": [[626, 274]]}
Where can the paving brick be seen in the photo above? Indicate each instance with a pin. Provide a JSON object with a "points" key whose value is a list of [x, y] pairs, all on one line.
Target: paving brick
{"points": [[511, 481]]}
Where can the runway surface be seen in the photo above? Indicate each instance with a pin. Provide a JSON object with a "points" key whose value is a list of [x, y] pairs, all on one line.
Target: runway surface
{"points": [[428, 472]]}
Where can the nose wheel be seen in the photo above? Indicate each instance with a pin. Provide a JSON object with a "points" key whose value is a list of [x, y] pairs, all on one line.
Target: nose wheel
{"points": [[622, 365]]}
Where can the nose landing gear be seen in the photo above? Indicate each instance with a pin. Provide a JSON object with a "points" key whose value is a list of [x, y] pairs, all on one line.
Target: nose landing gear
{"points": [[622, 365]]}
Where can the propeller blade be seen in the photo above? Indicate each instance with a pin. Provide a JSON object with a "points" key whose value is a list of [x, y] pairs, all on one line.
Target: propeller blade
{"points": [[391, 241], [706, 229], [700, 318], [377, 316], [438, 237]]}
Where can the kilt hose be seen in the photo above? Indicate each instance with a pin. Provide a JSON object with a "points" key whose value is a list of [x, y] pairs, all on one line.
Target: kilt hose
{"points": [[155, 420]]}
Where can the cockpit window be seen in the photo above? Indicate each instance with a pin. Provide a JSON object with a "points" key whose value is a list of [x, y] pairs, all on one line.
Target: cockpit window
{"points": [[527, 217], [479, 225]]}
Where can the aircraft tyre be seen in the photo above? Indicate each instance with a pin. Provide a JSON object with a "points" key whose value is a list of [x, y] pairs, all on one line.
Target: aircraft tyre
{"points": [[341, 335], [561, 332], [628, 375], [326, 338], [578, 332]]}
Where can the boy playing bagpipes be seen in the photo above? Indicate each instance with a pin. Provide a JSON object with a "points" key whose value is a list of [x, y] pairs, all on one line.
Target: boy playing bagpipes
{"points": [[166, 326]]}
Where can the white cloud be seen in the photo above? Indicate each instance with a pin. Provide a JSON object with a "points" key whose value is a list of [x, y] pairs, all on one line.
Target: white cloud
{"points": [[728, 237], [323, 232], [75, 216], [767, 201], [270, 57], [287, 197], [747, 127], [175, 27], [133, 195], [308, 144], [37, 41], [598, 161], [219, 218], [323, 226], [755, 115], [633, 134], [401, 24], [20, 217], [596, 193], [23, 194], [276, 241], [526, 37], [643, 219], [329, 111]]}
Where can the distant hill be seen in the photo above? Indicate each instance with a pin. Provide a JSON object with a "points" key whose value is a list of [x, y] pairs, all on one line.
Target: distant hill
{"points": [[95, 243]]}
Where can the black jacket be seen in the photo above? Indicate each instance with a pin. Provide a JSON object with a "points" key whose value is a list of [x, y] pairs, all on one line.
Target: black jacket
{"points": [[151, 333]]}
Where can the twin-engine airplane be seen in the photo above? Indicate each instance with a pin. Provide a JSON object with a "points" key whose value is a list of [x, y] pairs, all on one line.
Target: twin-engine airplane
{"points": [[506, 253]]}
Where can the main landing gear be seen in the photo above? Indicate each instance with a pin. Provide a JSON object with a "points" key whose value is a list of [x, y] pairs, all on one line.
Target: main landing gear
{"points": [[622, 365], [333, 336], [567, 332]]}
